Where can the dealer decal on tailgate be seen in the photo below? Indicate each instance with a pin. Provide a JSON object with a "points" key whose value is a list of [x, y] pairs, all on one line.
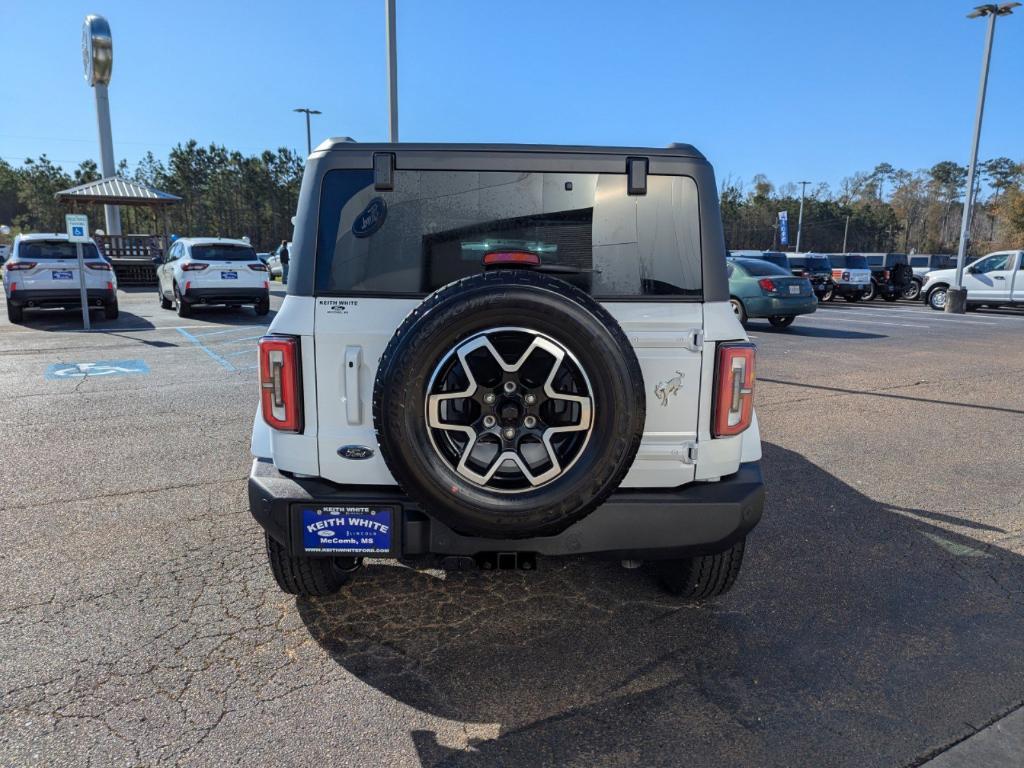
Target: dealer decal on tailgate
{"points": [[347, 530]]}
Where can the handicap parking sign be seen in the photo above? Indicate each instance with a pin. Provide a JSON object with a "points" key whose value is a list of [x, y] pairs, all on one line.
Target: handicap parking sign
{"points": [[98, 369], [78, 227]]}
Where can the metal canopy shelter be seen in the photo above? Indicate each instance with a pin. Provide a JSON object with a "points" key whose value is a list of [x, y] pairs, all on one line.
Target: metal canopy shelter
{"points": [[131, 255]]}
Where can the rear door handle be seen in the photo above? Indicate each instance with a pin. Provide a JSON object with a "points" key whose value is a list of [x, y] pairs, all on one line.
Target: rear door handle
{"points": [[998, 277]]}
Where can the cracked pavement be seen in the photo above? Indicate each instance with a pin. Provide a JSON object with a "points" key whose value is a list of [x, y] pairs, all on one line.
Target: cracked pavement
{"points": [[878, 620]]}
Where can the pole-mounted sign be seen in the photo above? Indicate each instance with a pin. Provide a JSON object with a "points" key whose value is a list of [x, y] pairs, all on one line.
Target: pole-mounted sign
{"points": [[78, 232], [97, 50], [784, 227]]}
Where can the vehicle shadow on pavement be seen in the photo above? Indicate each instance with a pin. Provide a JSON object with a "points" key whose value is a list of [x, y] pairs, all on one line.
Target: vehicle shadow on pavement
{"points": [[857, 634], [815, 332], [63, 320]]}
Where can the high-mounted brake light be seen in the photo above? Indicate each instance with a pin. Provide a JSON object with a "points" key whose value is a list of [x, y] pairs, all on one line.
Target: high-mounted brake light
{"points": [[733, 409], [258, 267], [100, 265], [14, 266], [193, 266], [281, 383], [767, 284], [511, 258]]}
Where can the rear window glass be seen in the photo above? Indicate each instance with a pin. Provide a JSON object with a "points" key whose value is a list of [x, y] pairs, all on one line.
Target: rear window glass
{"points": [[761, 268], [847, 261], [819, 263], [223, 253], [797, 261], [895, 258], [38, 250], [919, 261], [875, 261], [436, 226]]}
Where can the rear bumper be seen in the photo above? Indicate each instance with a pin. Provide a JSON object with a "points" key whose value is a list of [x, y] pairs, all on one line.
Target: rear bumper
{"points": [[241, 295], [641, 524], [60, 297], [851, 289], [768, 306]]}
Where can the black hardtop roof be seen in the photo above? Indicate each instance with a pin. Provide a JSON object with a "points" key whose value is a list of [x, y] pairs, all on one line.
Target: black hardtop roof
{"points": [[343, 143]]}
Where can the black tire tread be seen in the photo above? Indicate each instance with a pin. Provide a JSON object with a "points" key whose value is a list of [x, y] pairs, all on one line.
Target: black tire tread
{"points": [[704, 576], [306, 576]]}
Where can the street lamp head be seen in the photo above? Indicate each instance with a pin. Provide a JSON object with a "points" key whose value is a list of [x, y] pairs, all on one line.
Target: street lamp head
{"points": [[991, 9]]}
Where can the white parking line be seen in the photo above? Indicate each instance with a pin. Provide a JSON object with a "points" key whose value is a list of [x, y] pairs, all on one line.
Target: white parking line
{"points": [[930, 314], [862, 322], [985, 318]]}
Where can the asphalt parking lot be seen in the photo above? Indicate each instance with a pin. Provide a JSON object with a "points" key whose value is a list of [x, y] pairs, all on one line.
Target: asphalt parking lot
{"points": [[879, 618]]}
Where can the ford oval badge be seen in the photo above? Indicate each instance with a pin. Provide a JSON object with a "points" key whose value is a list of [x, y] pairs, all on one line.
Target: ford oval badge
{"points": [[357, 452], [371, 219]]}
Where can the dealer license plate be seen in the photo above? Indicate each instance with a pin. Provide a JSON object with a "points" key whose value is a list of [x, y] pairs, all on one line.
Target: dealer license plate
{"points": [[62, 274], [354, 530], [794, 289], [229, 275]]}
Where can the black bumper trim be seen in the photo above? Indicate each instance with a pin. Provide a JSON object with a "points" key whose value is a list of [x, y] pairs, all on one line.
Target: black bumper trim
{"points": [[60, 297], [642, 524], [225, 295]]}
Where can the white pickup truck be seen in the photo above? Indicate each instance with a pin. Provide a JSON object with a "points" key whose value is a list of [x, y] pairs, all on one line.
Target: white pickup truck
{"points": [[993, 280]]}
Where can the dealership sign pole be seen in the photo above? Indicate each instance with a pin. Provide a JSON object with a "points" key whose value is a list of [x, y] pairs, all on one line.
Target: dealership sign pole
{"points": [[98, 59], [784, 227], [78, 233]]}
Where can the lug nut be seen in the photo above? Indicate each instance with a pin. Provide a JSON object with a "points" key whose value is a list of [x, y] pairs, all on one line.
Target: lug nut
{"points": [[510, 387], [489, 421], [510, 433], [530, 399], [489, 398], [530, 422]]}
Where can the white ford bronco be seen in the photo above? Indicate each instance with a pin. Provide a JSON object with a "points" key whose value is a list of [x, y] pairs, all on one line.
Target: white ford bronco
{"points": [[490, 354]]}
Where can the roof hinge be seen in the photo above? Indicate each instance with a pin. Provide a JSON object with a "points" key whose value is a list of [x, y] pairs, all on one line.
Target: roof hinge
{"points": [[689, 453]]}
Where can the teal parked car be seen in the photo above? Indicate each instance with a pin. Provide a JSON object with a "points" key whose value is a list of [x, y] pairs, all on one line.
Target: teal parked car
{"points": [[758, 288]]}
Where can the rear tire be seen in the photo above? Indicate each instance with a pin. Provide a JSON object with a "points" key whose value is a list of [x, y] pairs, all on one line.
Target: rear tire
{"points": [[262, 307], [183, 309], [165, 303], [913, 291], [15, 314], [738, 308], [781, 321], [308, 576], [704, 576], [828, 295], [110, 310], [937, 298], [871, 292]]}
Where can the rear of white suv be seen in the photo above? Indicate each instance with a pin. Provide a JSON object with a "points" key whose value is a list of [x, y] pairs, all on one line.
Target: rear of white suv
{"points": [[476, 367], [212, 271], [42, 272]]}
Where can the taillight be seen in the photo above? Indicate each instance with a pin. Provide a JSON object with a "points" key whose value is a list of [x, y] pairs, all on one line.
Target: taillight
{"points": [[14, 266], [734, 389], [511, 258], [281, 383], [257, 267], [193, 266], [885, 274], [101, 265], [767, 285]]}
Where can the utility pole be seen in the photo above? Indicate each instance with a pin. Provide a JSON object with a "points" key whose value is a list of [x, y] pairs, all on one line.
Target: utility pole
{"points": [[392, 71], [800, 219], [956, 297], [846, 231], [309, 135]]}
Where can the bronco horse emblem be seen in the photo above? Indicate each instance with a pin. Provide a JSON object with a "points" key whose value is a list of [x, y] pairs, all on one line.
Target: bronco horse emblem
{"points": [[666, 389]]}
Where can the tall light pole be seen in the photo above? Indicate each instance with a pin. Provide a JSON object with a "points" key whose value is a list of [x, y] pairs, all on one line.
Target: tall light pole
{"points": [[800, 218], [392, 71], [956, 297], [98, 59], [309, 136]]}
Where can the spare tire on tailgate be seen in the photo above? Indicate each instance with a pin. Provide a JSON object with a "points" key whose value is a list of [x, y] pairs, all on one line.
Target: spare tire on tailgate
{"points": [[509, 404]]}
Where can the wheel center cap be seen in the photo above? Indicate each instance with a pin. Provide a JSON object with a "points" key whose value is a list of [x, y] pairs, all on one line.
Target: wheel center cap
{"points": [[509, 411]]}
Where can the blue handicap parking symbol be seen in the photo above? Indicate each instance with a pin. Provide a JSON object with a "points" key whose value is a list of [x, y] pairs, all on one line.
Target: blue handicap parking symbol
{"points": [[78, 231], [98, 369]]}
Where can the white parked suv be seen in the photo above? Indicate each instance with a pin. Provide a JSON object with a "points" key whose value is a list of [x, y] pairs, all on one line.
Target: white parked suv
{"points": [[478, 368], [212, 270], [993, 280], [42, 271]]}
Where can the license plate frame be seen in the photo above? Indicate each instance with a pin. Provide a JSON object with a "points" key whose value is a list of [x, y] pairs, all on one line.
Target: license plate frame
{"points": [[62, 274], [794, 290], [229, 275], [359, 530]]}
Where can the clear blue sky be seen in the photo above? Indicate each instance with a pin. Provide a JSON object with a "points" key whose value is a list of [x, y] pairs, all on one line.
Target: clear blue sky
{"points": [[795, 90]]}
